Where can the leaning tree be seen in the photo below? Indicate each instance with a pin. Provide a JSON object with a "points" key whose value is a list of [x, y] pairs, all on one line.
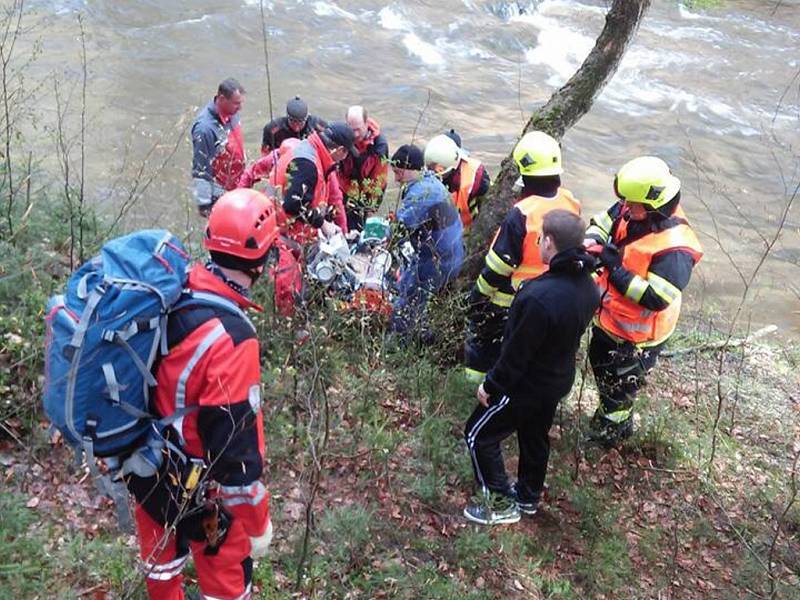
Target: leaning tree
{"points": [[561, 112]]}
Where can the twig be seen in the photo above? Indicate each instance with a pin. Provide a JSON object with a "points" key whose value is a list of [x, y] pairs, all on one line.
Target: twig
{"points": [[91, 590], [6, 53], [723, 344], [421, 114], [266, 57], [745, 292], [578, 449], [733, 528], [64, 161], [21, 443], [779, 524], [82, 182], [317, 452]]}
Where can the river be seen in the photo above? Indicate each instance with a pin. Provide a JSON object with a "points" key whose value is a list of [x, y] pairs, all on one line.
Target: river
{"points": [[714, 91]]}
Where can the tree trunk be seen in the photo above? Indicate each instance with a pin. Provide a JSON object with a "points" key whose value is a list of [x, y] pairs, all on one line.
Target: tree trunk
{"points": [[561, 112]]}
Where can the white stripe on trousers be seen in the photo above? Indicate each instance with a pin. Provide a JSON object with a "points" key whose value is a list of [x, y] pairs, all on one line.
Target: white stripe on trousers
{"points": [[473, 433], [245, 596]]}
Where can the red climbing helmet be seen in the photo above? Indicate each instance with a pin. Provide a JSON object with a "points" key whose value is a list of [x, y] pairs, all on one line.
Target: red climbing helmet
{"points": [[241, 229]]}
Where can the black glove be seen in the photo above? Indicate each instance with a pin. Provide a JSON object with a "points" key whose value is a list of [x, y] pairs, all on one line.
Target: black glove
{"points": [[610, 257]]}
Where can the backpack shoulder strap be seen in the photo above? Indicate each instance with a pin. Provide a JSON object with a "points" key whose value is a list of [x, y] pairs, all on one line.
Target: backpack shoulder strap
{"points": [[215, 300], [192, 310]]}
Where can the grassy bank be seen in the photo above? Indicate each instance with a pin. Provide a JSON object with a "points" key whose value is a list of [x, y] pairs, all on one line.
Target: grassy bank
{"points": [[369, 475]]}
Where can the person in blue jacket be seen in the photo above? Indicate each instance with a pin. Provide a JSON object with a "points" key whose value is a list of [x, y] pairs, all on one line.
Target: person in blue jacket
{"points": [[429, 222]]}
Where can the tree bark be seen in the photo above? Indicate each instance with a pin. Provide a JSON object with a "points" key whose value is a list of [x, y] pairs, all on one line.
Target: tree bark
{"points": [[564, 108]]}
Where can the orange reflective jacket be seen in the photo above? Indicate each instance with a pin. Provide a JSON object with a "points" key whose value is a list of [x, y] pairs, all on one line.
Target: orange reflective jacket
{"points": [[468, 169], [622, 317], [534, 208]]}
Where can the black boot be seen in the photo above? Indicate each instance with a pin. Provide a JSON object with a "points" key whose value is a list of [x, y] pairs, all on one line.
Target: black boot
{"points": [[609, 434]]}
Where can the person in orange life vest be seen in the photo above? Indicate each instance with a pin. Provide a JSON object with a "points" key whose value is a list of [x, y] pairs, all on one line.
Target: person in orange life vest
{"points": [[648, 256], [464, 177], [312, 201], [297, 124], [513, 255], [218, 156], [363, 178], [208, 497]]}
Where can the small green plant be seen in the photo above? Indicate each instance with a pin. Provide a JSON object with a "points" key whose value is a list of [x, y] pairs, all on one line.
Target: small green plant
{"points": [[33, 564], [605, 565], [346, 530], [474, 550]]}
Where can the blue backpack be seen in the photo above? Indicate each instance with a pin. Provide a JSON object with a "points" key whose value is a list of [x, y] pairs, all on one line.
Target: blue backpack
{"points": [[103, 335]]}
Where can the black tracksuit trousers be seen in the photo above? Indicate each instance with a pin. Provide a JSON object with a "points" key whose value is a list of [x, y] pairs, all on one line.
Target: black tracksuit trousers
{"points": [[487, 427]]}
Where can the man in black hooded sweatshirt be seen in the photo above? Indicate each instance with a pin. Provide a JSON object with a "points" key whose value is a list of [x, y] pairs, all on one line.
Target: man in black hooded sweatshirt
{"points": [[535, 370]]}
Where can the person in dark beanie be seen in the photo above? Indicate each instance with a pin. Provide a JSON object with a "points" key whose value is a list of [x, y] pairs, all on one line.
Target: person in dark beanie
{"points": [[535, 370], [296, 124], [429, 222]]}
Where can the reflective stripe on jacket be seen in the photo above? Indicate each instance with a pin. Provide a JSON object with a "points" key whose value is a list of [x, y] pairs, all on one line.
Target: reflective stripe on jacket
{"points": [[535, 208], [620, 314]]}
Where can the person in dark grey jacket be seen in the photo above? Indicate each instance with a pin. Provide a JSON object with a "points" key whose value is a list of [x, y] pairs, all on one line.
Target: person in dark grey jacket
{"points": [[536, 369]]}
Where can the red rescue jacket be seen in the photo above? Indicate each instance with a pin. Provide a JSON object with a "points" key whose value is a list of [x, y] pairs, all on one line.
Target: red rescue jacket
{"points": [[216, 367], [363, 179]]}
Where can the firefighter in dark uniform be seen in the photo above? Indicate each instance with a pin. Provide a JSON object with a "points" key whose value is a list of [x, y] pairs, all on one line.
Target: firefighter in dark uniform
{"points": [[648, 255], [514, 256]]}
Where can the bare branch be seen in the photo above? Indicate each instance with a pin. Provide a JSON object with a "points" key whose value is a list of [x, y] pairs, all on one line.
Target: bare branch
{"points": [[266, 57]]}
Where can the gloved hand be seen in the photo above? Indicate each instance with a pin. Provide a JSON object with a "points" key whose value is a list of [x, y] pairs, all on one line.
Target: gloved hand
{"points": [[259, 546], [610, 257]]}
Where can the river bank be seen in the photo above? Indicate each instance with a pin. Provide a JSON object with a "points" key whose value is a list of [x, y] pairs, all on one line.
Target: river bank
{"points": [[377, 514]]}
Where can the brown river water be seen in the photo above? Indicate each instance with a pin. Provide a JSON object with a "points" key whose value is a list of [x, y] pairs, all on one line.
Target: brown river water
{"points": [[714, 91]]}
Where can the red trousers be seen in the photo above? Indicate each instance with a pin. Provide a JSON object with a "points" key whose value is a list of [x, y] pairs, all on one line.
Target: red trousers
{"points": [[223, 576], [288, 276]]}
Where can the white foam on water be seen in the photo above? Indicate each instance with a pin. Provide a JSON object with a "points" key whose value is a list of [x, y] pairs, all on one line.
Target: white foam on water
{"points": [[426, 52], [630, 94], [461, 49], [567, 6], [183, 23], [706, 34], [687, 14], [560, 49], [392, 20], [634, 91], [57, 8], [639, 57], [193, 21], [326, 9]]}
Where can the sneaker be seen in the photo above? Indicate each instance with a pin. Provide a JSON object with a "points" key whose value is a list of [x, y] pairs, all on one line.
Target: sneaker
{"points": [[607, 433], [492, 509], [526, 507]]}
